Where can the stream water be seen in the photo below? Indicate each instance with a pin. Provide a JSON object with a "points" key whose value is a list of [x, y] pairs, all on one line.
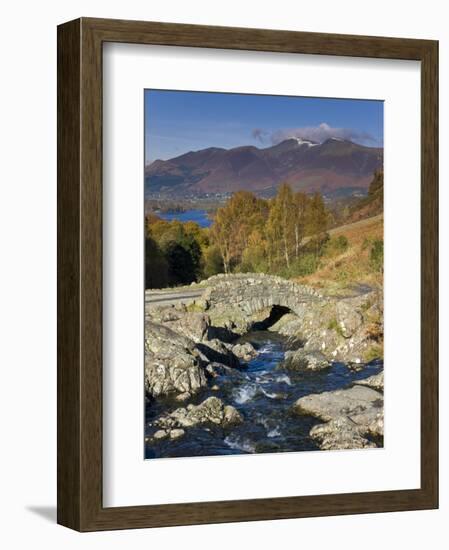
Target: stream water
{"points": [[264, 394]]}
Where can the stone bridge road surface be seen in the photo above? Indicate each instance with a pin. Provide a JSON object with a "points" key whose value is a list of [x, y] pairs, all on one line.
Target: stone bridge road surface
{"points": [[172, 296]]}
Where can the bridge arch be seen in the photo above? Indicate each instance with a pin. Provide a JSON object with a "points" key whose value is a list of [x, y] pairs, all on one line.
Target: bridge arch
{"points": [[252, 293]]}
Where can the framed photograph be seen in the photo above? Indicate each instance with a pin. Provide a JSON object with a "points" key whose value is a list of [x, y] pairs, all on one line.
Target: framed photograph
{"points": [[247, 274]]}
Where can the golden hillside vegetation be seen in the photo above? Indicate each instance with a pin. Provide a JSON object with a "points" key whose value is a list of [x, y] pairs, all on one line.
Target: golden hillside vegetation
{"points": [[339, 270]]}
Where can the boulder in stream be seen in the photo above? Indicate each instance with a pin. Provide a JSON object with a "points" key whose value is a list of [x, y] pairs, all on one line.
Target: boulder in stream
{"points": [[244, 351], [376, 382], [353, 417], [210, 411], [172, 363], [301, 359]]}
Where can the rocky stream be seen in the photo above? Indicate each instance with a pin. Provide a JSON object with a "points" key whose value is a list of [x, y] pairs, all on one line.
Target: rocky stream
{"points": [[256, 366]]}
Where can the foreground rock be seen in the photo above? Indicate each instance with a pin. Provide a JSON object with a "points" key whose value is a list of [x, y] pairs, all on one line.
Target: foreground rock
{"points": [[339, 434], [347, 329], [176, 364], [195, 325], [353, 417], [343, 329], [218, 352], [349, 316], [289, 325], [376, 382], [192, 325], [211, 411], [244, 351], [305, 360], [217, 370], [172, 363], [227, 354]]}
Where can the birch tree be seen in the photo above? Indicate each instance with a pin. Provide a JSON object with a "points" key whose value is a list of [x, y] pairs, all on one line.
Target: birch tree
{"points": [[300, 208], [234, 223], [280, 226]]}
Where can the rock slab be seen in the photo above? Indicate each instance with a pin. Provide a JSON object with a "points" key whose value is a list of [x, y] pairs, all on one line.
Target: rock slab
{"points": [[210, 411], [353, 417]]}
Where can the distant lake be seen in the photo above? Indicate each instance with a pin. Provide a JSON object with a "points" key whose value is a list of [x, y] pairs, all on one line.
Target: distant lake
{"points": [[197, 216]]}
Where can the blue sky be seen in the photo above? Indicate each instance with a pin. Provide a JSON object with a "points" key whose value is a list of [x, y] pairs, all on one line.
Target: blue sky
{"points": [[178, 122]]}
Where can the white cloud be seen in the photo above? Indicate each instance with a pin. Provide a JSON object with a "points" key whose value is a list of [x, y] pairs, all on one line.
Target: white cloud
{"points": [[319, 133]]}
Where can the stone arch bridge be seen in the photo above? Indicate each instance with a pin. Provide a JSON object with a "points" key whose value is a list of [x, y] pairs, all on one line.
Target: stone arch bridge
{"points": [[252, 293]]}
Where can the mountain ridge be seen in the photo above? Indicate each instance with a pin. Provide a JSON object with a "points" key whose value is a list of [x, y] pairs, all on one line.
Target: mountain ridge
{"points": [[306, 165]]}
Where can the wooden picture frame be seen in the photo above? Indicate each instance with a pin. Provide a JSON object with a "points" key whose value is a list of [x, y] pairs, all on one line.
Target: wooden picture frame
{"points": [[80, 351]]}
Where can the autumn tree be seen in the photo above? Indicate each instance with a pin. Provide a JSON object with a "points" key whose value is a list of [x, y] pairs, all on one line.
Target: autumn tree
{"points": [[151, 219], [316, 220], [300, 203], [156, 266], [181, 247], [221, 235], [234, 223], [255, 254], [213, 261], [280, 225]]}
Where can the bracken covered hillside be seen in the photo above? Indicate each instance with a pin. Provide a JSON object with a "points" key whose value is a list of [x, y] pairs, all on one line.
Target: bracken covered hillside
{"points": [[353, 256]]}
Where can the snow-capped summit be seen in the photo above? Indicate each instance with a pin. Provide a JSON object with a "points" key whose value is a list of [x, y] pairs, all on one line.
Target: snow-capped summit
{"points": [[306, 165], [301, 141]]}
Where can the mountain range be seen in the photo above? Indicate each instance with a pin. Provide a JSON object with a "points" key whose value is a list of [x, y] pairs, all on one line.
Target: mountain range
{"points": [[333, 167]]}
